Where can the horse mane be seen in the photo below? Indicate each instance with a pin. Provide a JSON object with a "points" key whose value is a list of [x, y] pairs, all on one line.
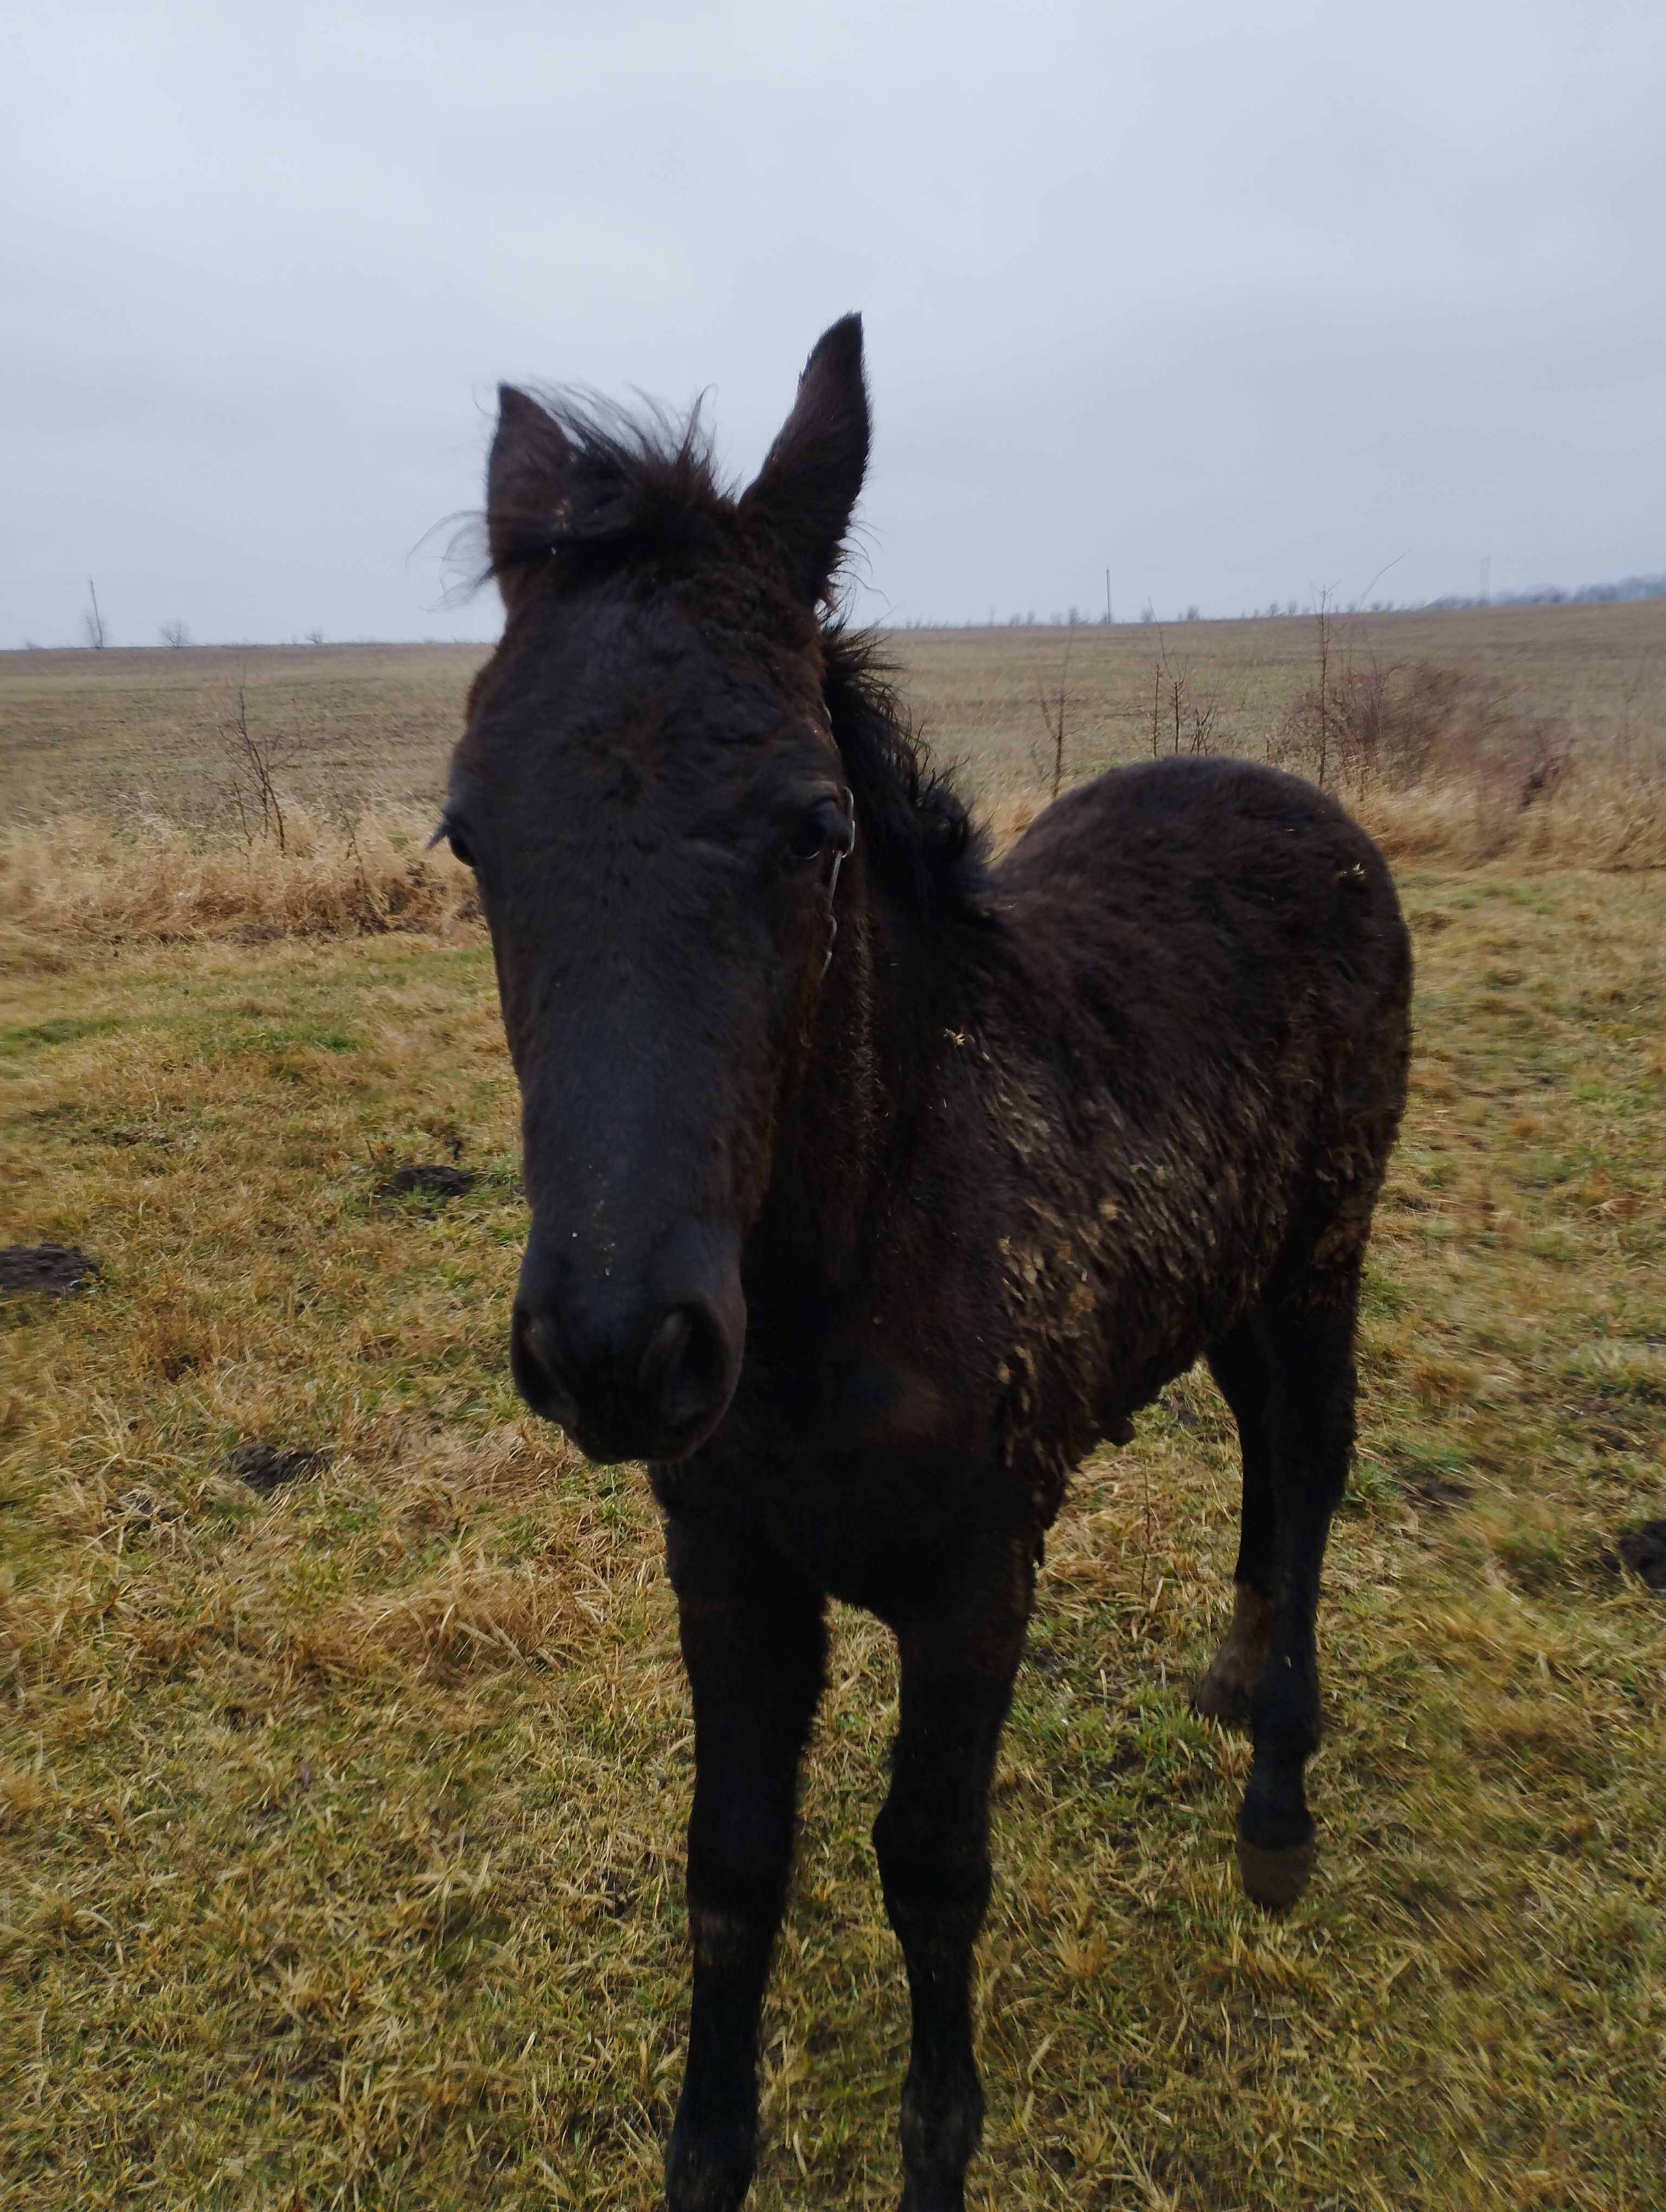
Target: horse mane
{"points": [[907, 807], [614, 490]]}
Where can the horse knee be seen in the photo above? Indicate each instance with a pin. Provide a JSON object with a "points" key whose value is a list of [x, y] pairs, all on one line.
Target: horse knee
{"points": [[933, 1881]]}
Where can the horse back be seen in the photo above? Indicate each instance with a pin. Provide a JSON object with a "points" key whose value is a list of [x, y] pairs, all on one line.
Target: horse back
{"points": [[1201, 917]]}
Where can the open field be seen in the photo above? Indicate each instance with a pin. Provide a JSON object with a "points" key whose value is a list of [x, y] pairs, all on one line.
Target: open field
{"points": [[121, 732], [340, 1826], [130, 812]]}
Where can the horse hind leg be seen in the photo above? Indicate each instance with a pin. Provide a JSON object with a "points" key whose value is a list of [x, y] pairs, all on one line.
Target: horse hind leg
{"points": [[1224, 1694], [1309, 1421]]}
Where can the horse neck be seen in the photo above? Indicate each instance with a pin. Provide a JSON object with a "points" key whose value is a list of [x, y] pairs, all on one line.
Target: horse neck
{"points": [[898, 978]]}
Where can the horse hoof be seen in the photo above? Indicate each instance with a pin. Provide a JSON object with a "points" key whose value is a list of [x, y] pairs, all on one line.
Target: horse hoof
{"points": [[1223, 1695], [1275, 1880]]}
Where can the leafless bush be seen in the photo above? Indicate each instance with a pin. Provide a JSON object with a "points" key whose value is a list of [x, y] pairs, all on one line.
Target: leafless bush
{"points": [[175, 635], [1363, 725], [1184, 717], [251, 786], [1439, 759]]}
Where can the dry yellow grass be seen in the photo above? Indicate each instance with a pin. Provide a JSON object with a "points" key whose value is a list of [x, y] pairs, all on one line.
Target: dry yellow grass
{"points": [[84, 877], [340, 1830]]}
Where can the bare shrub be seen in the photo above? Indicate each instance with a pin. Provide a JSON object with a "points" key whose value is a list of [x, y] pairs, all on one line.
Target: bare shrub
{"points": [[1364, 725], [175, 635], [251, 787], [1183, 716], [1441, 759]]}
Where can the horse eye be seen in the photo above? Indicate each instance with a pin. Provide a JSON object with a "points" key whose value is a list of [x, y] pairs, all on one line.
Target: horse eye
{"points": [[826, 824], [811, 834]]}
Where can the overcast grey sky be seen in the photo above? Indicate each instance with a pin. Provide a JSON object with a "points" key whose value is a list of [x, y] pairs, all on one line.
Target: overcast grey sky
{"points": [[1234, 299]]}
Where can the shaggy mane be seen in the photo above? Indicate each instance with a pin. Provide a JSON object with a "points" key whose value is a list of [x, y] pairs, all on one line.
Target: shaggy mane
{"points": [[906, 806]]}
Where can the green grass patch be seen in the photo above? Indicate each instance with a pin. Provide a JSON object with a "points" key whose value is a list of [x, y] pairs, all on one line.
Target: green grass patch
{"points": [[59, 1029]]}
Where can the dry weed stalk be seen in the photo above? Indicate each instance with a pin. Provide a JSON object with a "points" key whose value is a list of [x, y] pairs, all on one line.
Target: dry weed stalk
{"points": [[1054, 710], [1363, 725]]}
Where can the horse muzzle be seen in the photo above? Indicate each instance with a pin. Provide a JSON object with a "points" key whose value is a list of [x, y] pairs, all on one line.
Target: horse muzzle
{"points": [[647, 1373]]}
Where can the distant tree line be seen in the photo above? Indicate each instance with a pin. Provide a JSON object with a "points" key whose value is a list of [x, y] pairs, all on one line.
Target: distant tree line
{"points": [[1540, 595], [1553, 595]]}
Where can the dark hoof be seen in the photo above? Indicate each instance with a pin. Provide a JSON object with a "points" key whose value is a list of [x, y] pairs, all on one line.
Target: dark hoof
{"points": [[709, 2169], [1275, 1880], [1223, 1695]]}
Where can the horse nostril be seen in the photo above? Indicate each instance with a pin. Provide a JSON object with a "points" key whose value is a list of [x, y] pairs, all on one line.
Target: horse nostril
{"points": [[684, 1368], [532, 1359]]}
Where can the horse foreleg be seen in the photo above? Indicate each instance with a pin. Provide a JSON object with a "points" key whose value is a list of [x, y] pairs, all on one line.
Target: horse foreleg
{"points": [[754, 1645], [932, 1840]]}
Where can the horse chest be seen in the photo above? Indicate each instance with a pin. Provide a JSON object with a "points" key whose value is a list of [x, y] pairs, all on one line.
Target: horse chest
{"points": [[870, 1477]]}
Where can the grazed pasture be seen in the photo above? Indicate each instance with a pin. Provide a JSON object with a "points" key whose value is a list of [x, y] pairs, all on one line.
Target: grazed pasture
{"points": [[340, 1825]]}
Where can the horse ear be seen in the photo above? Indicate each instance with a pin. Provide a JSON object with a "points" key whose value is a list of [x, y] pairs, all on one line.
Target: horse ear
{"points": [[526, 484], [807, 487]]}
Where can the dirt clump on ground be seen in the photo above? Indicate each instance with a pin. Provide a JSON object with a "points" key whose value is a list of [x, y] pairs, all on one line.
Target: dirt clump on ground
{"points": [[433, 1180], [55, 1269], [267, 1466]]}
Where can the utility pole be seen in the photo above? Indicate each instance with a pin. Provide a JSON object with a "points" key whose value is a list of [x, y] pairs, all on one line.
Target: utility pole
{"points": [[1487, 579], [1109, 616]]}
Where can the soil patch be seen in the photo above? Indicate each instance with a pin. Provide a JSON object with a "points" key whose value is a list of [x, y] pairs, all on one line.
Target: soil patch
{"points": [[267, 1466], [1643, 1551], [432, 1182], [56, 1269]]}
